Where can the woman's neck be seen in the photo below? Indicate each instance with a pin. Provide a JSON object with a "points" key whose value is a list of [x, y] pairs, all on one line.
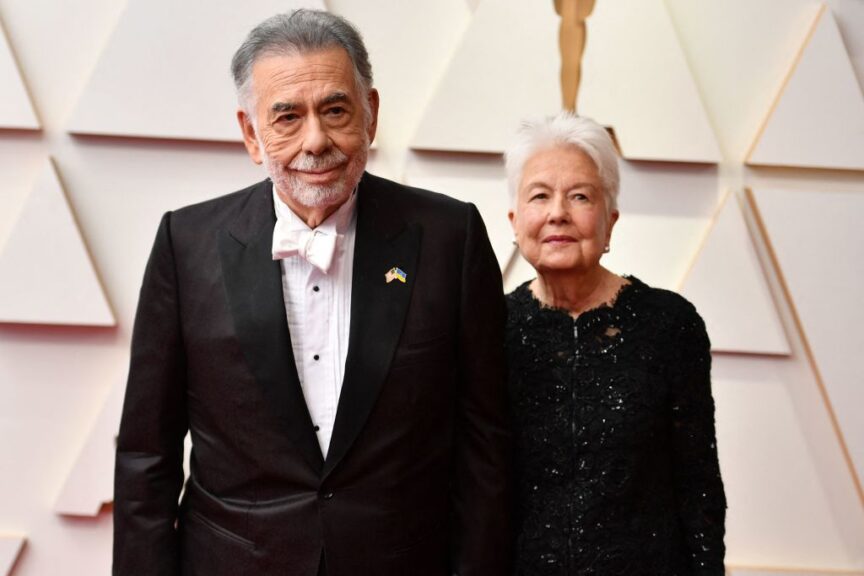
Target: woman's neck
{"points": [[576, 291]]}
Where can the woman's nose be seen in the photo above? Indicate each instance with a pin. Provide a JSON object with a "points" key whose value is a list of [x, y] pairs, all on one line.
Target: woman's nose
{"points": [[558, 209]]}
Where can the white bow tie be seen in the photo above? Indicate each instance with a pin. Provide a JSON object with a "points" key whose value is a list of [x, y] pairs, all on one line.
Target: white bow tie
{"points": [[315, 246]]}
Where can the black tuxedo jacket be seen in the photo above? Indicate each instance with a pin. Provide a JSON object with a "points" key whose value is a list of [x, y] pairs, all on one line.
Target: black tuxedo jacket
{"points": [[416, 478]]}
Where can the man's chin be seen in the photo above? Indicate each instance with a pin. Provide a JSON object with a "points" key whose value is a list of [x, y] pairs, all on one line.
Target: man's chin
{"points": [[311, 196]]}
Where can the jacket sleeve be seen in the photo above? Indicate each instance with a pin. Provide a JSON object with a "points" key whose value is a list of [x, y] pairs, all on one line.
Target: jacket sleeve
{"points": [[698, 486], [149, 463], [481, 526]]}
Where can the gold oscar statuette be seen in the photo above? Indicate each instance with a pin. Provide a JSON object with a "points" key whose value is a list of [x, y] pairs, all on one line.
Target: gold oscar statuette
{"points": [[571, 41]]}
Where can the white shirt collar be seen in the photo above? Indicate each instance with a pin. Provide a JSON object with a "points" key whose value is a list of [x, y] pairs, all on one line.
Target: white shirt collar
{"points": [[336, 224]]}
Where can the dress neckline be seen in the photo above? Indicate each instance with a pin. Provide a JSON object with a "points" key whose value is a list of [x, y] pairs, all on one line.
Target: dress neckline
{"points": [[627, 290]]}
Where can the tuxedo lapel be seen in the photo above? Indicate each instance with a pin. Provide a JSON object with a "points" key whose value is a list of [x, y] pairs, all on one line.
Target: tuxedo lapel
{"points": [[253, 283], [378, 309]]}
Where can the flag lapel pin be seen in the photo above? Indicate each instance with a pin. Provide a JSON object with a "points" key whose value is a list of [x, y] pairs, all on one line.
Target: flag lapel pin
{"points": [[395, 273]]}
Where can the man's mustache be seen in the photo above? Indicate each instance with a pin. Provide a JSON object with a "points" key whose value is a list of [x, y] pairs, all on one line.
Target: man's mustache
{"points": [[307, 162]]}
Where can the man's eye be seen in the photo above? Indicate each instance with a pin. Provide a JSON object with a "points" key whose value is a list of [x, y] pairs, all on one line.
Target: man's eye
{"points": [[335, 111], [287, 118], [538, 196]]}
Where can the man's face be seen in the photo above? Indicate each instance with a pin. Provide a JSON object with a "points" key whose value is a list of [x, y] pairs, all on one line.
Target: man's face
{"points": [[309, 127]]}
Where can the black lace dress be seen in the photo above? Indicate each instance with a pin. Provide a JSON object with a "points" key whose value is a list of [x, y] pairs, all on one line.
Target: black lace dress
{"points": [[616, 458]]}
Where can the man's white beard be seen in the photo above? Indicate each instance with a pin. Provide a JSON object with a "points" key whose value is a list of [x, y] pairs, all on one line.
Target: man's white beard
{"points": [[317, 195]]}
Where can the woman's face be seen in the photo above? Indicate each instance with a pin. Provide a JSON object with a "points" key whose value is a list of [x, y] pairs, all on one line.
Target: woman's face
{"points": [[560, 219]]}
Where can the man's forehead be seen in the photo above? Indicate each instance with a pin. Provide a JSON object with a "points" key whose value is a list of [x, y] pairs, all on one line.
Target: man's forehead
{"points": [[330, 61]]}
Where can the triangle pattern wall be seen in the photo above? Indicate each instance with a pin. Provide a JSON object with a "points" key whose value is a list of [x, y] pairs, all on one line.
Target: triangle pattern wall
{"points": [[175, 84], [46, 275], [818, 121], [728, 287], [16, 111], [818, 243], [90, 483], [491, 66], [10, 548]]}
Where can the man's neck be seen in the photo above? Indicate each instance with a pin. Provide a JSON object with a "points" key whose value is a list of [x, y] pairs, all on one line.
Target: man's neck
{"points": [[313, 216]]}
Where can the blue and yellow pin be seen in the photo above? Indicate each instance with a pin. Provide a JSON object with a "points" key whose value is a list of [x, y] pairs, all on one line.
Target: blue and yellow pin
{"points": [[396, 273]]}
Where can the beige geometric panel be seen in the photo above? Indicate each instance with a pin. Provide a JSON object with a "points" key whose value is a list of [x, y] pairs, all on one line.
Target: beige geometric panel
{"points": [[46, 275], [739, 53], [492, 201], [619, 83], [728, 287], [409, 50], [517, 272], [495, 79], [655, 248], [818, 119], [636, 80], [165, 72], [90, 483], [818, 242], [10, 548], [791, 500], [16, 111]]}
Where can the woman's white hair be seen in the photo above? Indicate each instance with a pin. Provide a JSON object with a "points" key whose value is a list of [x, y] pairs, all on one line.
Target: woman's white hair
{"points": [[564, 129]]}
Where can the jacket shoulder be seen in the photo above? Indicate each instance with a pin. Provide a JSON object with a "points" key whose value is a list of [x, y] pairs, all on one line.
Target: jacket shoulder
{"points": [[409, 198], [438, 214]]}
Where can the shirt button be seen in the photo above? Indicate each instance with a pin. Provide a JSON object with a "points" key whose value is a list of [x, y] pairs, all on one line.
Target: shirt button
{"points": [[316, 357], [315, 288], [316, 428]]}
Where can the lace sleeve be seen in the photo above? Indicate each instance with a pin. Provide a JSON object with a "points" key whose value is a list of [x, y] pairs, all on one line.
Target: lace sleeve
{"points": [[699, 488]]}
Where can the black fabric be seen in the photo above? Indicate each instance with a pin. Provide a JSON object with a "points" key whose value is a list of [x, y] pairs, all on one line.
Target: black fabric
{"points": [[416, 478], [616, 461]]}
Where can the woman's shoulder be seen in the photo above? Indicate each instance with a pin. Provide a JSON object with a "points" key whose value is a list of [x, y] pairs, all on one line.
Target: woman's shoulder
{"points": [[663, 309], [661, 299]]}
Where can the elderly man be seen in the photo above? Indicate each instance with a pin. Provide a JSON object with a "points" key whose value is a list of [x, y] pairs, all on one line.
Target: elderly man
{"points": [[331, 340]]}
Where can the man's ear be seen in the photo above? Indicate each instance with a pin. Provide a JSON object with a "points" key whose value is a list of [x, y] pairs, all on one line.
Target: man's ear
{"points": [[250, 139], [374, 101]]}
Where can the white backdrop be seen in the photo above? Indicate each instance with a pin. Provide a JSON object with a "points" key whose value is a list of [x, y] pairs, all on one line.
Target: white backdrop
{"points": [[789, 444]]}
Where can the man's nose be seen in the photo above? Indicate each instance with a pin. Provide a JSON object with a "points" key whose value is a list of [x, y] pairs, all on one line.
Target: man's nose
{"points": [[316, 140]]}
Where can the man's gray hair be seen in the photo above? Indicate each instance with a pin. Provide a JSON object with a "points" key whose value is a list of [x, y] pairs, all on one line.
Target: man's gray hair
{"points": [[562, 130], [300, 32]]}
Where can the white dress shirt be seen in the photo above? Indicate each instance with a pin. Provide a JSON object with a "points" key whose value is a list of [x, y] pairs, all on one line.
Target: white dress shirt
{"points": [[318, 308]]}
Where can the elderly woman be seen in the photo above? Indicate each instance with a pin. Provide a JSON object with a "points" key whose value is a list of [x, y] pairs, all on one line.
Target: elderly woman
{"points": [[616, 459]]}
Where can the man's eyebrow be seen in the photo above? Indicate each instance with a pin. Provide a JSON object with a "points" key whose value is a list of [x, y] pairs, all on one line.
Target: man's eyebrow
{"points": [[283, 107], [334, 98]]}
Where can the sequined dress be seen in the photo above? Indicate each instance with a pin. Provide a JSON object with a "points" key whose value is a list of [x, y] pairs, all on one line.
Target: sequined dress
{"points": [[616, 459]]}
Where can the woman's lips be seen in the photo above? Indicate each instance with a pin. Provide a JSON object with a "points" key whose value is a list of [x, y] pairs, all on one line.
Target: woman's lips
{"points": [[558, 240]]}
